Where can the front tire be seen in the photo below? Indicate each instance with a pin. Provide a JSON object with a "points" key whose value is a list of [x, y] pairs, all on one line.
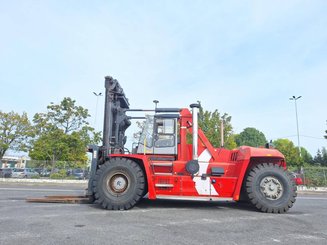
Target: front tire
{"points": [[119, 184], [270, 188]]}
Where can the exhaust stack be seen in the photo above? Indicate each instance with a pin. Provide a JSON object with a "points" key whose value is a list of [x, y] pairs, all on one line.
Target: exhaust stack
{"points": [[222, 134], [195, 111]]}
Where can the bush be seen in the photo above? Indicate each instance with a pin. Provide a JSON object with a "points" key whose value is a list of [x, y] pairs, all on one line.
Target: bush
{"points": [[62, 174], [315, 176], [312, 176]]}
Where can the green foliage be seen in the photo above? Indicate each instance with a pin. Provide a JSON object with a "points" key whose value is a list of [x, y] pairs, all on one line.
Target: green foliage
{"points": [[56, 146], [306, 156], [15, 132], [89, 135], [321, 157], [34, 164], [315, 176], [324, 156], [62, 174], [291, 153], [69, 118], [251, 137], [210, 123], [66, 116], [63, 134]]}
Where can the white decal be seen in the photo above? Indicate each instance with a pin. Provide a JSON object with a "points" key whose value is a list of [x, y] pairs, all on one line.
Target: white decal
{"points": [[203, 186]]}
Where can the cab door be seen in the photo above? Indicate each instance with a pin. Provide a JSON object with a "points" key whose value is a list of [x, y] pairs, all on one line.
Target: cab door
{"points": [[164, 155], [165, 135]]}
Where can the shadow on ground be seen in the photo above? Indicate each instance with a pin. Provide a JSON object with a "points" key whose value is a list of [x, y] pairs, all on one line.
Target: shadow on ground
{"points": [[169, 204]]}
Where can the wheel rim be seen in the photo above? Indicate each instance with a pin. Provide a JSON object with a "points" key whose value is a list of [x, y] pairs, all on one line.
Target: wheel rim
{"points": [[117, 183], [271, 188]]}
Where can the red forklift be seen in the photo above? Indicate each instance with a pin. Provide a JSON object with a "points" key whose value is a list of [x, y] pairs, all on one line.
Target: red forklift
{"points": [[173, 159]]}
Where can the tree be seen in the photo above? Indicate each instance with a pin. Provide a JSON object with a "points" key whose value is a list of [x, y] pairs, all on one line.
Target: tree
{"points": [[15, 132], [251, 137], [66, 116], [306, 156], [321, 157], [291, 153], [318, 158], [63, 133], [210, 123], [89, 135], [56, 146], [324, 156]]}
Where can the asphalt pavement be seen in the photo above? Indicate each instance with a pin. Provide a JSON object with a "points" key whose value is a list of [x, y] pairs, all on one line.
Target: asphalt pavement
{"points": [[153, 222]]}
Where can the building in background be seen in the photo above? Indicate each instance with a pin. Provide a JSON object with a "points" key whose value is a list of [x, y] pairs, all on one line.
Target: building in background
{"points": [[14, 161]]}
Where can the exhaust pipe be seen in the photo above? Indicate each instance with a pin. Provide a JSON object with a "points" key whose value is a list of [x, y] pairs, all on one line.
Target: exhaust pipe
{"points": [[222, 134], [195, 111]]}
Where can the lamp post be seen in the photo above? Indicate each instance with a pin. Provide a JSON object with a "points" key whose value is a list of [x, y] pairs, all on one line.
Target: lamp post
{"points": [[297, 122], [96, 108]]}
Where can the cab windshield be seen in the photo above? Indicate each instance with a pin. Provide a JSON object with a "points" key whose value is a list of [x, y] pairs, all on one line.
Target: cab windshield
{"points": [[159, 135], [146, 138]]}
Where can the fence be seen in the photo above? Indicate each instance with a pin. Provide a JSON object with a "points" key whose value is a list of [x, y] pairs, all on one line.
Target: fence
{"points": [[60, 169], [56, 164], [313, 176]]}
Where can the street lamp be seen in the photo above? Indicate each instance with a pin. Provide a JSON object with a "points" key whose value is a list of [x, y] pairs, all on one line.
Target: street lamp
{"points": [[96, 108], [297, 122]]}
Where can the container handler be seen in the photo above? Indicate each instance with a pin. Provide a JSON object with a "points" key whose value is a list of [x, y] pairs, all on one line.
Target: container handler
{"points": [[173, 159]]}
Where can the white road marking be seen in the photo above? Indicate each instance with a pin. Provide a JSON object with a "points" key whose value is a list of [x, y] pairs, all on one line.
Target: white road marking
{"points": [[313, 198], [276, 240]]}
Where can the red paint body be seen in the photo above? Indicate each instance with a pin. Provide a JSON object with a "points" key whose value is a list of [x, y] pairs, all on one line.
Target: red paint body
{"points": [[168, 178]]}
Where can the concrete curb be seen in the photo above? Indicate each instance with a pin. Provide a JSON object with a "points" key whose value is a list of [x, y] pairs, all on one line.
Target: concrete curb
{"points": [[311, 189], [56, 181]]}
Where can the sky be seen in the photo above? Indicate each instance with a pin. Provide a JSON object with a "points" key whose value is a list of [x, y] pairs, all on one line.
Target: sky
{"points": [[244, 58]]}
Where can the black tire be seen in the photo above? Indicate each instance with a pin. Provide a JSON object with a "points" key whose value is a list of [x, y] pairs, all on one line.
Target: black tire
{"points": [[119, 184], [91, 199], [270, 188], [244, 199]]}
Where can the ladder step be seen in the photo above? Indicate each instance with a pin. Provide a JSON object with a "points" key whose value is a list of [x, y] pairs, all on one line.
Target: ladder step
{"points": [[169, 174], [162, 164], [165, 185]]}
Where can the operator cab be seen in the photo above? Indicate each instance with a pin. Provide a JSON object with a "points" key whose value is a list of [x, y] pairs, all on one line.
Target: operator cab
{"points": [[159, 135]]}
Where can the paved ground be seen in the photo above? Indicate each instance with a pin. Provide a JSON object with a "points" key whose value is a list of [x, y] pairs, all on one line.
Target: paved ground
{"points": [[154, 222]]}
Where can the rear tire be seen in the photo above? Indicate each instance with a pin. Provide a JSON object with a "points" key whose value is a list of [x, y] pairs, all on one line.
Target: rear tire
{"points": [[270, 188], [119, 184]]}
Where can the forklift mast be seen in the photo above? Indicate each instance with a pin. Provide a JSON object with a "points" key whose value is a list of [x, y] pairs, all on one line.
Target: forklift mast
{"points": [[115, 120]]}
